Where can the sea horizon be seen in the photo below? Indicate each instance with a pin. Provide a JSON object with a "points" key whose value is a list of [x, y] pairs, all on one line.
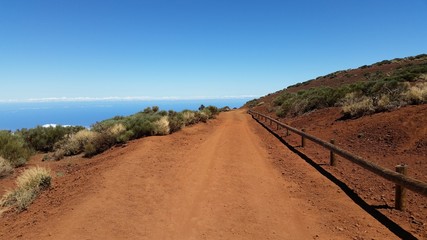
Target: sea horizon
{"points": [[30, 114]]}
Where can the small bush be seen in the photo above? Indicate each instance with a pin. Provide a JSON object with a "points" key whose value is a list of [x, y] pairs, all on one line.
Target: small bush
{"points": [[176, 121], [356, 106], [148, 110], [202, 116], [416, 94], [5, 167], [57, 155], [74, 144], [14, 149], [384, 103], [161, 126], [44, 138], [252, 103], [294, 104], [214, 111], [90, 150], [189, 117], [29, 185], [100, 143], [155, 108], [117, 129]]}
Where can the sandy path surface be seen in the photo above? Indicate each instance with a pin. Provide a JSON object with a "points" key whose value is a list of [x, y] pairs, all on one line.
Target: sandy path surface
{"points": [[210, 181]]}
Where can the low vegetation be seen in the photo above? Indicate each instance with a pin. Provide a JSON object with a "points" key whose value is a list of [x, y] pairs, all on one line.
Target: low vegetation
{"points": [[43, 139], [14, 149], [5, 167], [379, 91], [60, 141], [29, 185], [293, 104], [119, 130]]}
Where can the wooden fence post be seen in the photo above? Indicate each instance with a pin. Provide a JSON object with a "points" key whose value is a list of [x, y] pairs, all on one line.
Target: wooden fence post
{"points": [[400, 191], [302, 138], [332, 155]]}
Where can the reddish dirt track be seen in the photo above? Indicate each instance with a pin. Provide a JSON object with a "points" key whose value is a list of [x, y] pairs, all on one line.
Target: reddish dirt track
{"points": [[228, 179]]}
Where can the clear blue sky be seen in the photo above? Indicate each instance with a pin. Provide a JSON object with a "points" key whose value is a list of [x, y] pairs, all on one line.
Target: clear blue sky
{"points": [[187, 48]]}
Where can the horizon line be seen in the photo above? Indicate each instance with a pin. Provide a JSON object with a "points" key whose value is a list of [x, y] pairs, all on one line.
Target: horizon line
{"points": [[129, 98]]}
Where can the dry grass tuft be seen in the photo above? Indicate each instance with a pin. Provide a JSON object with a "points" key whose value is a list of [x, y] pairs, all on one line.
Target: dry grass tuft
{"points": [[29, 184], [162, 126], [117, 129], [74, 144], [5, 167], [355, 106], [189, 117], [416, 94]]}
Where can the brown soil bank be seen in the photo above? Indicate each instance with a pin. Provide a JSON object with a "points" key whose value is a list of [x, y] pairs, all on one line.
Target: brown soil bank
{"points": [[229, 179], [388, 139]]}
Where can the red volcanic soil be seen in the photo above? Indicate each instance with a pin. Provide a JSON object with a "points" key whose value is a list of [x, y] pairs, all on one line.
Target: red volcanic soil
{"points": [[228, 179], [388, 139]]}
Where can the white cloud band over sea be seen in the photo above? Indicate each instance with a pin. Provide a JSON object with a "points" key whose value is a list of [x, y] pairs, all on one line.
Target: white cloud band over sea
{"points": [[134, 98]]}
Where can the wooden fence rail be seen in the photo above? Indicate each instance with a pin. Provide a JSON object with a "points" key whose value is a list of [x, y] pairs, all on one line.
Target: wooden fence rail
{"points": [[398, 178]]}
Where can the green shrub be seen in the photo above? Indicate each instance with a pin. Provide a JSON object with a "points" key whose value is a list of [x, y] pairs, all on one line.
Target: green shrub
{"points": [[44, 138], [202, 116], [98, 144], [252, 103], [155, 109], [29, 185], [176, 121], [118, 130], [148, 110], [14, 149], [73, 144], [306, 100], [141, 125], [214, 111], [408, 73]]}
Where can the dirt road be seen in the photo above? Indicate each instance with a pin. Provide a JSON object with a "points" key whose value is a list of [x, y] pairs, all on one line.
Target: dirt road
{"points": [[210, 181]]}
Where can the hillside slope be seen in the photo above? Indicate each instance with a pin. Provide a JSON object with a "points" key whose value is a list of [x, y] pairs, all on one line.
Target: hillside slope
{"points": [[390, 137], [410, 68]]}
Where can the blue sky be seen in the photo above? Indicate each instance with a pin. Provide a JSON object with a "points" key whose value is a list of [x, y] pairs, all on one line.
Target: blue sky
{"points": [[194, 48]]}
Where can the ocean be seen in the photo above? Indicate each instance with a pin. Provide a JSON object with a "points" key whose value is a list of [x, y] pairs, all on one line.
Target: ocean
{"points": [[15, 115]]}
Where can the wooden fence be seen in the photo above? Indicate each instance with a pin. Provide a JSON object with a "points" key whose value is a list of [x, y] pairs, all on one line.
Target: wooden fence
{"points": [[399, 178]]}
